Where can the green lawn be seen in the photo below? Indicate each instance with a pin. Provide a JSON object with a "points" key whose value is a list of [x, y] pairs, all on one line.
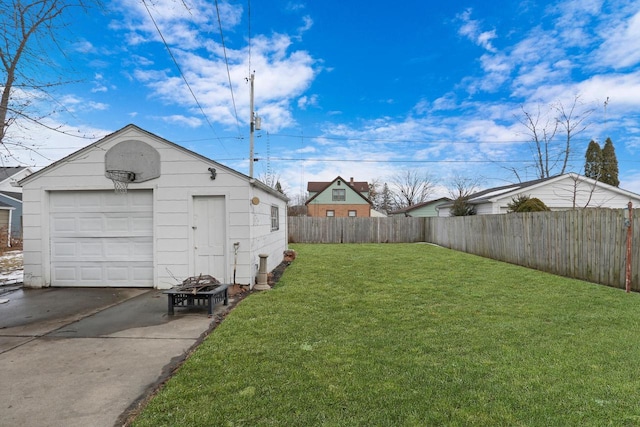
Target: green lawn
{"points": [[413, 335]]}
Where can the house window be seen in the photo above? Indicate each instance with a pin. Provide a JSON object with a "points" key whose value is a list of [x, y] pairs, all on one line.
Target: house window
{"points": [[275, 218], [331, 213], [353, 213], [339, 195]]}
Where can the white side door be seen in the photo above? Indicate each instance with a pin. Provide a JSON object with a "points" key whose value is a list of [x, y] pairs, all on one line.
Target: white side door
{"points": [[209, 227]]}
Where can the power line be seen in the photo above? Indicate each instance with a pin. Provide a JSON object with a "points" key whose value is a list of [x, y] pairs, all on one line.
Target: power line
{"points": [[311, 159], [421, 141], [291, 159], [166, 45], [226, 61]]}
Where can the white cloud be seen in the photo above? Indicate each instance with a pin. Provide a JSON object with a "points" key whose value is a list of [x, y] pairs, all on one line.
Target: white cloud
{"points": [[498, 70], [470, 28], [281, 73], [35, 145], [574, 18], [307, 23], [99, 106], [305, 102], [84, 46], [178, 25], [293, 6], [307, 149], [192, 122], [621, 46]]}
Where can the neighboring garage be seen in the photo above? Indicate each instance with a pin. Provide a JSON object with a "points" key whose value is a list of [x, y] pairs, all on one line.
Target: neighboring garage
{"points": [[101, 238], [135, 210]]}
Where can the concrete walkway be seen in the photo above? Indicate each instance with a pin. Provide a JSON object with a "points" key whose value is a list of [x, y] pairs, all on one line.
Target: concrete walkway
{"points": [[85, 357]]}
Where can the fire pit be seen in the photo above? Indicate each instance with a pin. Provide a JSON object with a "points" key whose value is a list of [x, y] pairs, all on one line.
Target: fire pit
{"points": [[201, 291]]}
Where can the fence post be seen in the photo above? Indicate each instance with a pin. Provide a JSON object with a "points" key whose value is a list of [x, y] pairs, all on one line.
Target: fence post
{"points": [[629, 223]]}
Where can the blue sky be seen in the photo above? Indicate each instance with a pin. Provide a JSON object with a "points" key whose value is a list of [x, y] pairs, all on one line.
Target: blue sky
{"points": [[362, 89]]}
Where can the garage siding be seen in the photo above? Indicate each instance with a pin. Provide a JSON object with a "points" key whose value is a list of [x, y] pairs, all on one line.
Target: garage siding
{"points": [[100, 238]]}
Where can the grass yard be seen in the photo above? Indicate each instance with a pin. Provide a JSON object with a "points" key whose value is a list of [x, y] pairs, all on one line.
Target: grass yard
{"points": [[413, 335]]}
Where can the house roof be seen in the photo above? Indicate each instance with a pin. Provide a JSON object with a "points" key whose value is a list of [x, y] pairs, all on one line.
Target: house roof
{"points": [[8, 172], [511, 190], [419, 205], [319, 186], [351, 184], [12, 194], [71, 156]]}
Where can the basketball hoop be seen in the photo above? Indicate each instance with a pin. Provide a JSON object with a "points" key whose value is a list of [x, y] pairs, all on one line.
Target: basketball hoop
{"points": [[121, 179]]}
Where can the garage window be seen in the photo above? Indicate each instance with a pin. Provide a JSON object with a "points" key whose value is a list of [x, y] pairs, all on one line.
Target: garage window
{"points": [[275, 218]]}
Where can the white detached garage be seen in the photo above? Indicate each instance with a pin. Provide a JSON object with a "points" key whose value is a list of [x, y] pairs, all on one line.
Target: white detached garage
{"points": [[181, 215]]}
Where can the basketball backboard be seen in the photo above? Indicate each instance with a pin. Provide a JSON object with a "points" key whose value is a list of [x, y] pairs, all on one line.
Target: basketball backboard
{"points": [[133, 156]]}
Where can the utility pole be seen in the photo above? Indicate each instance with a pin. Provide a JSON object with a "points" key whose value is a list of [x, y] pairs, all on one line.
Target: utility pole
{"points": [[251, 126]]}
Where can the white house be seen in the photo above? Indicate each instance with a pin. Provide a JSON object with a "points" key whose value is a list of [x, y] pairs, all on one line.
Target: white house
{"points": [[10, 175], [561, 192], [424, 209], [182, 215]]}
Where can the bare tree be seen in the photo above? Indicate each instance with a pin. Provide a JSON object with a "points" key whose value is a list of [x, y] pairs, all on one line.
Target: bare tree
{"points": [[297, 205], [29, 32], [410, 187], [271, 180], [551, 157], [582, 192], [374, 192], [460, 190]]}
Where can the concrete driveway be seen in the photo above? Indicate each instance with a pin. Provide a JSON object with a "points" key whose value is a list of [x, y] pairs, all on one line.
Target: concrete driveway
{"points": [[87, 357]]}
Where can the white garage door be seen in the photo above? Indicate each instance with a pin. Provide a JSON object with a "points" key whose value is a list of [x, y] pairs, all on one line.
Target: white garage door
{"points": [[100, 238]]}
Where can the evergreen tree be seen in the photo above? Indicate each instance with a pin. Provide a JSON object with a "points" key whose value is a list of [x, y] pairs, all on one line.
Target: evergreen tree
{"points": [[386, 204], [462, 207], [524, 203], [593, 161], [609, 164]]}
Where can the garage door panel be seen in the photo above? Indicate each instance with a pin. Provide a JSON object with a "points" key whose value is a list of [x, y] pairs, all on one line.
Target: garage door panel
{"points": [[90, 273], [62, 224], [64, 273], [102, 274], [88, 200], [141, 272], [121, 249], [88, 225], [117, 273], [63, 201], [119, 224], [101, 238]]}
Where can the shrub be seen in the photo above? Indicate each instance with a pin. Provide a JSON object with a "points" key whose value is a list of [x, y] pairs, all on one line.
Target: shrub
{"points": [[524, 203], [462, 207]]}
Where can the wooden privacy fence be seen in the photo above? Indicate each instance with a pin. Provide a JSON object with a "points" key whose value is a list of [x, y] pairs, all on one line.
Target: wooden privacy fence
{"points": [[356, 230], [587, 244]]}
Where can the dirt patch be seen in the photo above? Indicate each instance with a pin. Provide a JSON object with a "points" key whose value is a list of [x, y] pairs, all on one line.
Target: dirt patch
{"points": [[277, 273]]}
